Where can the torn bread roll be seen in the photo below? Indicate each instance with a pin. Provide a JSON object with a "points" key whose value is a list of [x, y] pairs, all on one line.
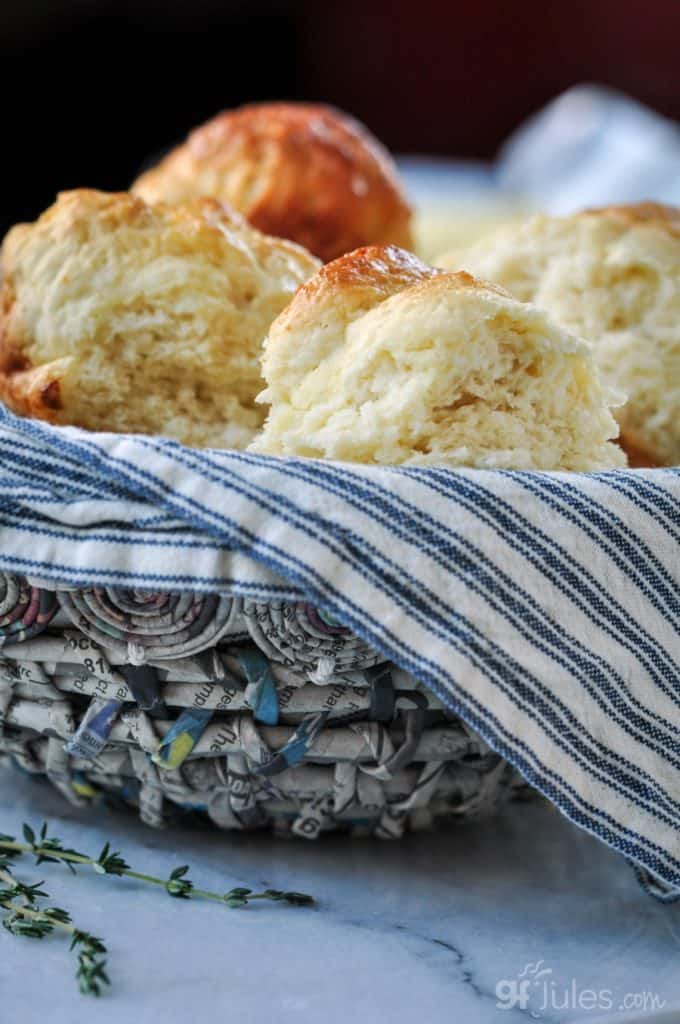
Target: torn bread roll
{"points": [[123, 316], [380, 358], [298, 170], [613, 277]]}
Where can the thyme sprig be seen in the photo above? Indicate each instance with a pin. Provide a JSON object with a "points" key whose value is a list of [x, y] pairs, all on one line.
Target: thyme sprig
{"points": [[30, 920], [25, 917], [49, 849]]}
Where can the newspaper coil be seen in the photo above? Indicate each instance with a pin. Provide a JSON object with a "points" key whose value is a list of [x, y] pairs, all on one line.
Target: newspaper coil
{"points": [[161, 625], [303, 637], [25, 611], [255, 715]]}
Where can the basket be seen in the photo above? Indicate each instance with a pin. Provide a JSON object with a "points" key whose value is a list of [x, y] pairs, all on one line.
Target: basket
{"points": [[255, 714]]}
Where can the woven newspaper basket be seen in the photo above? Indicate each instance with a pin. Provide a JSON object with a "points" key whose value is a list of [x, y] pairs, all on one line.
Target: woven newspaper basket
{"points": [[254, 714]]}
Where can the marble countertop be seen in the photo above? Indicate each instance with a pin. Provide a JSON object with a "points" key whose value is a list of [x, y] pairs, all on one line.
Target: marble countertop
{"points": [[436, 929]]}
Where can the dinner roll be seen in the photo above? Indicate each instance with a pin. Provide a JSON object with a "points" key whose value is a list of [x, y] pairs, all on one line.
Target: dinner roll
{"points": [[297, 170], [380, 358], [612, 276], [117, 315]]}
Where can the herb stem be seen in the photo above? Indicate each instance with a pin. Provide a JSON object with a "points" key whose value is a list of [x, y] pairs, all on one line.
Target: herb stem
{"points": [[36, 915], [29, 920], [152, 880], [113, 864], [78, 858]]}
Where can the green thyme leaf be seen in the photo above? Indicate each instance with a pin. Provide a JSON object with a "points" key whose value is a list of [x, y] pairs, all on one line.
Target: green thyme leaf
{"points": [[24, 917]]}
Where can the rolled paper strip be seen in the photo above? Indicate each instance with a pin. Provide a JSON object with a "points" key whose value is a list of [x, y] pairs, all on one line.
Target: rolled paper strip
{"points": [[150, 797], [181, 739], [390, 826], [220, 811], [489, 786], [206, 666], [11, 672], [424, 789], [296, 748], [25, 611], [261, 693], [324, 621], [298, 635], [144, 686], [161, 626], [313, 816], [94, 730], [45, 584], [414, 723], [371, 795], [344, 785], [242, 789], [82, 786], [381, 689]]}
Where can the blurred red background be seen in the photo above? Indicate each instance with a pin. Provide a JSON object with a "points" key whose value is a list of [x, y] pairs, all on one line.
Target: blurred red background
{"points": [[91, 88], [456, 78]]}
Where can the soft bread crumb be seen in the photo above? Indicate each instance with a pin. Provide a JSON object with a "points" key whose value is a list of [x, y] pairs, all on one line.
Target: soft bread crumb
{"points": [[380, 358], [122, 316], [612, 276]]}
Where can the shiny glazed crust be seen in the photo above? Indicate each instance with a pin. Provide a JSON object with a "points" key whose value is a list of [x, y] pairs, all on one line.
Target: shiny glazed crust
{"points": [[300, 171]]}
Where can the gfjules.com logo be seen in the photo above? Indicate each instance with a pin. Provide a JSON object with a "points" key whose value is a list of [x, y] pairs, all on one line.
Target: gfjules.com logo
{"points": [[536, 990]]}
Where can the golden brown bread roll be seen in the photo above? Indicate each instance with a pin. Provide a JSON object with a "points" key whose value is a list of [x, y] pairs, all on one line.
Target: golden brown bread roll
{"points": [[122, 316], [380, 358], [296, 170], [612, 276]]}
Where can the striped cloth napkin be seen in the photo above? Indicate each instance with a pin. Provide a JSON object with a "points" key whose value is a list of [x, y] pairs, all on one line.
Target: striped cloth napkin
{"points": [[541, 607]]}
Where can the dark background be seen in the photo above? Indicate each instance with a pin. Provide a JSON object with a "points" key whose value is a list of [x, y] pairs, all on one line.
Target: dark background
{"points": [[92, 88]]}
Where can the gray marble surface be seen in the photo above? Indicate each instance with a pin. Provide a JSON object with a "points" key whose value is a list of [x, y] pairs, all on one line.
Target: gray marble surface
{"points": [[435, 929]]}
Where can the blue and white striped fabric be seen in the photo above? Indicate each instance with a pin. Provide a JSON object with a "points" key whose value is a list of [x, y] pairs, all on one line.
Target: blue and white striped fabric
{"points": [[544, 608]]}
